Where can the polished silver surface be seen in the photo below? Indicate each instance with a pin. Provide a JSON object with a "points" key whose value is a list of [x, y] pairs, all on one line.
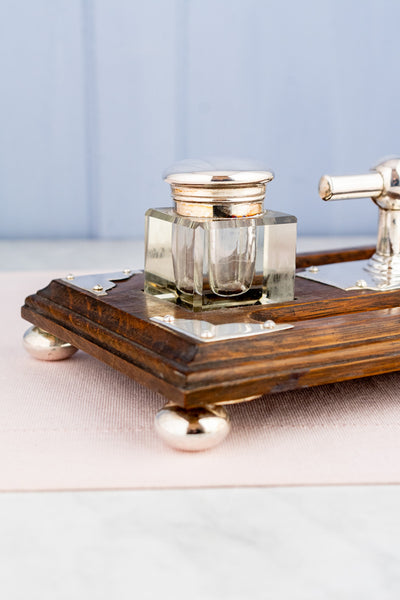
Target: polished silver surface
{"points": [[44, 346], [216, 178], [219, 193], [194, 429], [382, 185], [361, 283], [168, 319], [99, 284], [203, 331], [346, 187], [354, 275], [269, 324], [220, 209]]}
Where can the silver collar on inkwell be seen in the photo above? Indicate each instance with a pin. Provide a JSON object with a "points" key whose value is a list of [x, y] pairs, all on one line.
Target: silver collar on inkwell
{"points": [[219, 194]]}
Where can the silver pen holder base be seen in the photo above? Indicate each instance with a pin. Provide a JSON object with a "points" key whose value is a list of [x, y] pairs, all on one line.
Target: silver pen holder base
{"points": [[386, 269], [356, 275]]}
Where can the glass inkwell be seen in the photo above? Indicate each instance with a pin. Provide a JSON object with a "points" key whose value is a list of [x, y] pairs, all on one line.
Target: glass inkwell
{"points": [[218, 246]]}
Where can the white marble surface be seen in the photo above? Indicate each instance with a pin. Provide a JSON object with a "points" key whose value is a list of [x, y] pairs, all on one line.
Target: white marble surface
{"points": [[251, 543], [292, 544]]}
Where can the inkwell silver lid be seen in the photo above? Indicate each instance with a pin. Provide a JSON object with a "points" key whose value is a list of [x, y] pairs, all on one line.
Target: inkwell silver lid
{"points": [[218, 188]]}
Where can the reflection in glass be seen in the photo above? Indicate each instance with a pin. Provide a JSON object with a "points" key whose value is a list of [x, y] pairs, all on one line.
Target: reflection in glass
{"points": [[232, 252]]}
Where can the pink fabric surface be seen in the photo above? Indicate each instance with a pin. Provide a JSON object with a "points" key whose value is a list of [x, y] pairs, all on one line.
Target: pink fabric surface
{"points": [[78, 424]]}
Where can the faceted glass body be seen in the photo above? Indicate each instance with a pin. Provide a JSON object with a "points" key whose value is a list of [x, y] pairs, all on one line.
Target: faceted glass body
{"points": [[212, 263]]}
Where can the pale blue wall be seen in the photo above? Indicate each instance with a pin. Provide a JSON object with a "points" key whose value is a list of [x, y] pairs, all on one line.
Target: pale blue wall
{"points": [[97, 97]]}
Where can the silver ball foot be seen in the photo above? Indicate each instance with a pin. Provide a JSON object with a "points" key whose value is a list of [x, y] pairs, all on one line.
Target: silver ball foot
{"points": [[193, 429], [45, 346]]}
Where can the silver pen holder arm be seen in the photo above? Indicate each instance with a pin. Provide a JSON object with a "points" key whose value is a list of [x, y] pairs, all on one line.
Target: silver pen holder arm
{"points": [[382, 185]]}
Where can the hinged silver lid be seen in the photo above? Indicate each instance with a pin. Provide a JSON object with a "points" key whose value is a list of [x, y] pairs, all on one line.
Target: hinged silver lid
{"points": [[205, 189]]}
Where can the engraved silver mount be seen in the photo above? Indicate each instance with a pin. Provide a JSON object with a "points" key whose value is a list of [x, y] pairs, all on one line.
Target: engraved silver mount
{"points": [[203, 331], [382, 271], [101, 283]]}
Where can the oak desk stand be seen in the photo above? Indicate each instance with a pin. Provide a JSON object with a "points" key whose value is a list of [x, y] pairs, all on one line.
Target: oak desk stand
{"points": [[336, 335]]}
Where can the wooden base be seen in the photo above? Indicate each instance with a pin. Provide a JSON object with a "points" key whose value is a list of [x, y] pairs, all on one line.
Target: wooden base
{"points": [[337, 335]]}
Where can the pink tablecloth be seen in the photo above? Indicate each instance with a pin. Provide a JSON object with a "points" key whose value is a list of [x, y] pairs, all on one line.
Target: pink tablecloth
{"points": [[78, 424]]}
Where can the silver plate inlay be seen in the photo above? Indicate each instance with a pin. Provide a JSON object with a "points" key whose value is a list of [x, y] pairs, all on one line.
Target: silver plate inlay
{"points": [[203, 331], [352, 276], [99, 284]]}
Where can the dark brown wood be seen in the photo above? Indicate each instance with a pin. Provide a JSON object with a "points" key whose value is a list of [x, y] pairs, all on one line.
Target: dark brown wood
{"points": [[337, 335], [326, 257]]}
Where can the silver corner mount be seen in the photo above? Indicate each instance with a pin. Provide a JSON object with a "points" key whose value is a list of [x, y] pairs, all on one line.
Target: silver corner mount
{"points": [[99, 284], [203, 331]]}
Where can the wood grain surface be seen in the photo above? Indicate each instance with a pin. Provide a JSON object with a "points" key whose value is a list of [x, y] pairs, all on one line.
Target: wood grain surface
{"points": [[337, 335]]}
